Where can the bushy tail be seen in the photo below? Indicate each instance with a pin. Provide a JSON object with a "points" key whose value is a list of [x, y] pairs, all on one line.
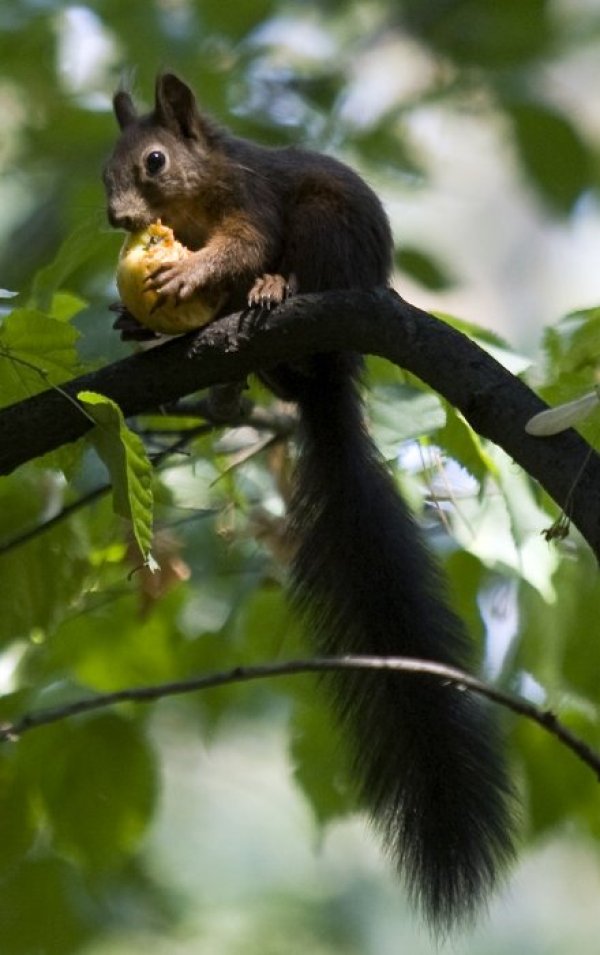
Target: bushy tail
{"points": [[427, 755]]}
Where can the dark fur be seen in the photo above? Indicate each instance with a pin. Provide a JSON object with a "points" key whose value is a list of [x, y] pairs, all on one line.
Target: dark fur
{"points": [[426, 754]]}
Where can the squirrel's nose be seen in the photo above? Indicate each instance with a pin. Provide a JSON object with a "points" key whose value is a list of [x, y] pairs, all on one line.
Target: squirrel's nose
{"points": [[123, 221]]}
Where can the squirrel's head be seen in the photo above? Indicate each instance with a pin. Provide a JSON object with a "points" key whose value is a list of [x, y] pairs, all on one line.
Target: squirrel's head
{"points": [[163, 161]]}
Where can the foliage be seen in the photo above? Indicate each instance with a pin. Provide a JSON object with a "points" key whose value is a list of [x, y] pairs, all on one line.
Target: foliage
{"points": [[77, 612]]}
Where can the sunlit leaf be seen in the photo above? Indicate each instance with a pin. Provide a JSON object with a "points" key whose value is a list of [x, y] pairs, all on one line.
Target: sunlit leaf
{"points": [[36, 352], [399, 413], [503, 526], [80, 245], [464, 445], [130, 470]]}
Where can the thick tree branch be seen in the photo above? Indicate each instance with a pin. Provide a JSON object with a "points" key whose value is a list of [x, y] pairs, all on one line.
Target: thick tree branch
{"points": [[148, 694], [495, 403]]}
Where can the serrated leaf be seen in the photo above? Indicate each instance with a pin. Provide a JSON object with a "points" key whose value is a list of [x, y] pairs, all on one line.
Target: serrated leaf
{"points": [[130, 470], [65, 306], [36, 352]]}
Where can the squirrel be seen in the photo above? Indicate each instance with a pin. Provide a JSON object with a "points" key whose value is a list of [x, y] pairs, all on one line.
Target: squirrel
{"points": [[264, 223]]}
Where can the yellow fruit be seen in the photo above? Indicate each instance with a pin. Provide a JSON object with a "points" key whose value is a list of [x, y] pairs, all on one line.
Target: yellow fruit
{"points": [[142, 253]]}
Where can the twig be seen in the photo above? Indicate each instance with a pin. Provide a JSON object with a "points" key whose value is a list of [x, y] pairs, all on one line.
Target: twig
{"points": [[146, 694]]}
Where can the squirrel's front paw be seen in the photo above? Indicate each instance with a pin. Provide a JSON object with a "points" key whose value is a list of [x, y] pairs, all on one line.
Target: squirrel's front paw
{"points": [[178, 280]]}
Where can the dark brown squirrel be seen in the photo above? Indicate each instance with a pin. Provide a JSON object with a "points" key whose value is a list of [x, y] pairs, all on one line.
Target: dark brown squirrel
{"points": [[265, 223]]}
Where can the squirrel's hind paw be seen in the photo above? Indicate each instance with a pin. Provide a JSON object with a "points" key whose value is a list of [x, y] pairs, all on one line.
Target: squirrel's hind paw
{"points": [[271, 290]]}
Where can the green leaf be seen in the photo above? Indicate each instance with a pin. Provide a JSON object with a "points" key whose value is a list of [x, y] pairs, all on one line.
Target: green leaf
{"points": [[422, 267], [97, 782], [65, 306], [572, 352], [558, 645], [130, 470], [32, 597], [44, 909], [466, 576], [559, 786], [112, 644], [484, 336], [36, 352], [386, 146], [464, 445], [553, 153], [484, 32], [80, 245], [235, 21], [17, 828], [321, 767], [400, 413], [492, 343], [503, 526], [572, 346]]}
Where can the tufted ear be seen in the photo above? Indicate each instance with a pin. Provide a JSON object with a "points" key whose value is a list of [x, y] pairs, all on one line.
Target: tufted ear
{"points": [[175, 107], [125, 111]]}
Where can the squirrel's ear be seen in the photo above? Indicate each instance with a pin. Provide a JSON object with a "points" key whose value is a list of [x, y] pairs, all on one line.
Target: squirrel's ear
{"points": [[125, 111], [175, 107]]}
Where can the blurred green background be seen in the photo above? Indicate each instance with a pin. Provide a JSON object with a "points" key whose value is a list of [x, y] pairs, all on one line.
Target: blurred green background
{"points": [[225, 823]]}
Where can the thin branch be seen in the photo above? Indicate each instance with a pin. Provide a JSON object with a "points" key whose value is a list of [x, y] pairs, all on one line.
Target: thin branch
{"points": [[465, 681]]}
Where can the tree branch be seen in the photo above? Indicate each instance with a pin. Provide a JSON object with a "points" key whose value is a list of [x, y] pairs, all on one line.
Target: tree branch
{"points": [[379, 322], [147, 694]]}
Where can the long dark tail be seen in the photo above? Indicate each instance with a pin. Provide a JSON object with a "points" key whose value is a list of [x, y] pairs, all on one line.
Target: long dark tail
{"points": [[427, 755]]}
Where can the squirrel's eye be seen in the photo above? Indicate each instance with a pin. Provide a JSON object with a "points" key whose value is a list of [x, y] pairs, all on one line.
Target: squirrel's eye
{"points": [[154, 162]]}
